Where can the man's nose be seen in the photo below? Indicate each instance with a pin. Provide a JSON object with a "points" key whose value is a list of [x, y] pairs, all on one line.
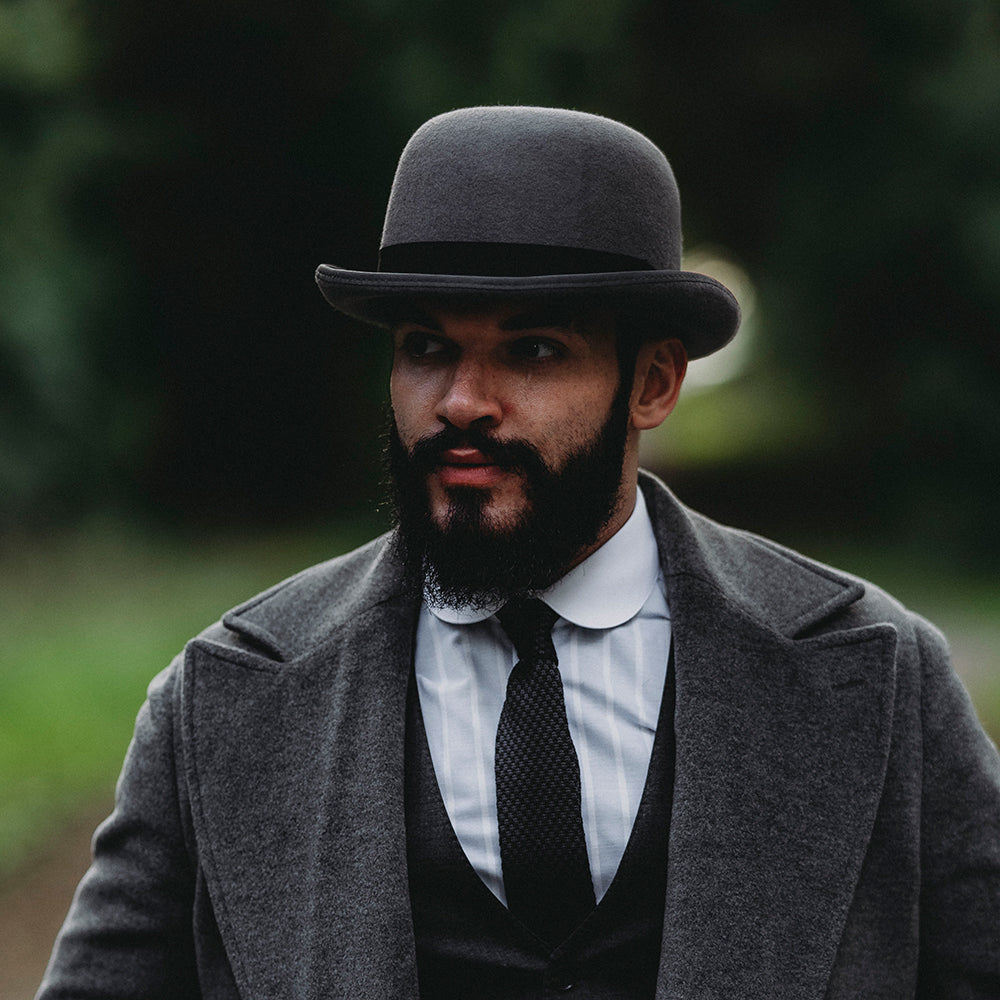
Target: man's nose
{"points": [[470, 396]]}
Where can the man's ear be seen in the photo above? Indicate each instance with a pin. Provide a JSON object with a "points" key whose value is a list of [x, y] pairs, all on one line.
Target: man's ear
{"points": [[659, 371]]}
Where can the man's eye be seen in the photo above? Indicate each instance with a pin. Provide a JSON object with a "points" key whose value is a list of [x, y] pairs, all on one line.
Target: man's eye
{"points": [[422, 345], [535, 349]]}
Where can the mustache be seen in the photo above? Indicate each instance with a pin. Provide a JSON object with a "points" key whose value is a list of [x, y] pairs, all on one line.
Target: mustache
{"points": [[510, 455]]}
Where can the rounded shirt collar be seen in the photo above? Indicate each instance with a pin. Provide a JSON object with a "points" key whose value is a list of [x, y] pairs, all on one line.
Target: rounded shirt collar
{"points": [[607, 589]]}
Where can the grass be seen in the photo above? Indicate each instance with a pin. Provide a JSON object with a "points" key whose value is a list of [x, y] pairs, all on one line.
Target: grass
{"points": [[87, 621], [89, 618]]}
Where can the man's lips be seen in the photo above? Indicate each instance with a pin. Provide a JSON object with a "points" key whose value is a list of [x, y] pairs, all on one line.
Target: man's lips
{"points": [[468, 467]]}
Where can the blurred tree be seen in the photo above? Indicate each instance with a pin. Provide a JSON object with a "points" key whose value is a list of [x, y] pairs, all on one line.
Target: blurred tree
{"points": [[59, 437]]}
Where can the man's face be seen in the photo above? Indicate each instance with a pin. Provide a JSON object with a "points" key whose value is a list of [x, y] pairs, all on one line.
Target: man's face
{"points": [[510, 435]]}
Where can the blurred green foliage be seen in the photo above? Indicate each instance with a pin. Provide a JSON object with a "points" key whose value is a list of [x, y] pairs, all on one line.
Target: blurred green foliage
{"points": [[55, 426], [88, 619], [172, 174]]}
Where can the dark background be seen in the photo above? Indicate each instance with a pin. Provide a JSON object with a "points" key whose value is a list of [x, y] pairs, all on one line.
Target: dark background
{"points": [[172, 175]]}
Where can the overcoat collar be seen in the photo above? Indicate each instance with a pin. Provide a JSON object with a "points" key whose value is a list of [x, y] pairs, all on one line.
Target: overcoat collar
{"points": [[293, 734], [293, 744], [782, 737]]}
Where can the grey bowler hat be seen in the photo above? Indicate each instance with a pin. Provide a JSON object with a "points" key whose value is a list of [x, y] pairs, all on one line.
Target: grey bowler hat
{"points": [[521, 201]]}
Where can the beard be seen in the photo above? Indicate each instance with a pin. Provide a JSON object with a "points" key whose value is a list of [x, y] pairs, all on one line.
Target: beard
{"points": [[469, 561]]}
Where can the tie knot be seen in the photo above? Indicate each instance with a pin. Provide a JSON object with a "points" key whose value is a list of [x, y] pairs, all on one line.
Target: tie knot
{"points": [[528, 623]]}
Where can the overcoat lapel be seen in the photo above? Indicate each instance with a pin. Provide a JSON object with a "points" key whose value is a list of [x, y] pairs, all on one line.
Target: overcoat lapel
{"points": [[781, 751], [310, 896]]}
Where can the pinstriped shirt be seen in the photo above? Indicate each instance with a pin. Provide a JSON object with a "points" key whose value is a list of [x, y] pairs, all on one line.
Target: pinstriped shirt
{"points": [[612, 640]]}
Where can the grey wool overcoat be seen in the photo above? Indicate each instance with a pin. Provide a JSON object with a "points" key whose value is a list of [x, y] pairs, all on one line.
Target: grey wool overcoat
{"points": [[836, 814]]}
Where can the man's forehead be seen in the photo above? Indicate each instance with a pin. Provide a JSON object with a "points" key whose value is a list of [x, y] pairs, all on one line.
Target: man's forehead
{"points": [[507, 313]]}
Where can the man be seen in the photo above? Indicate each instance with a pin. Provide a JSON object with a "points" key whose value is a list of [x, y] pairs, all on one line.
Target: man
{"points": [[556, 732]]}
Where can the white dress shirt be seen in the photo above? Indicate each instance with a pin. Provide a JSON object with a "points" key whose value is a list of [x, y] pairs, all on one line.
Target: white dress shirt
{"points": [[612, 640]]}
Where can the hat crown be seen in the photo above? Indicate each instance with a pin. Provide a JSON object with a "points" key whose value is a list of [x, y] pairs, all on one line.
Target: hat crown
{"points": [[513, 202], [542, 177]]}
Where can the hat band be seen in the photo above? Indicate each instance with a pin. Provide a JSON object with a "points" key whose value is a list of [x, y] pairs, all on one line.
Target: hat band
{"points": [[515, 260]]}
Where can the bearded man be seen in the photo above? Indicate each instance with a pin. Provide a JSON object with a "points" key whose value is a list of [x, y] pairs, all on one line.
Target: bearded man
{"points": [[556, 732]]}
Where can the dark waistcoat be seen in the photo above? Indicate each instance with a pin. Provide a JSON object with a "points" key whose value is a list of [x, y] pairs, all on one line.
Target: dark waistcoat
{"points": [[468, 944]]}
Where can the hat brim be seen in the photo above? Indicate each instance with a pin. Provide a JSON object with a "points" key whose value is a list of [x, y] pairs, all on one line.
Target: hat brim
{"points": [[696, 308]]}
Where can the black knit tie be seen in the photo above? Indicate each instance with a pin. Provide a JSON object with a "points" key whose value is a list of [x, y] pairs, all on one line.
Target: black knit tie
{"points": [[542, 848]]}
